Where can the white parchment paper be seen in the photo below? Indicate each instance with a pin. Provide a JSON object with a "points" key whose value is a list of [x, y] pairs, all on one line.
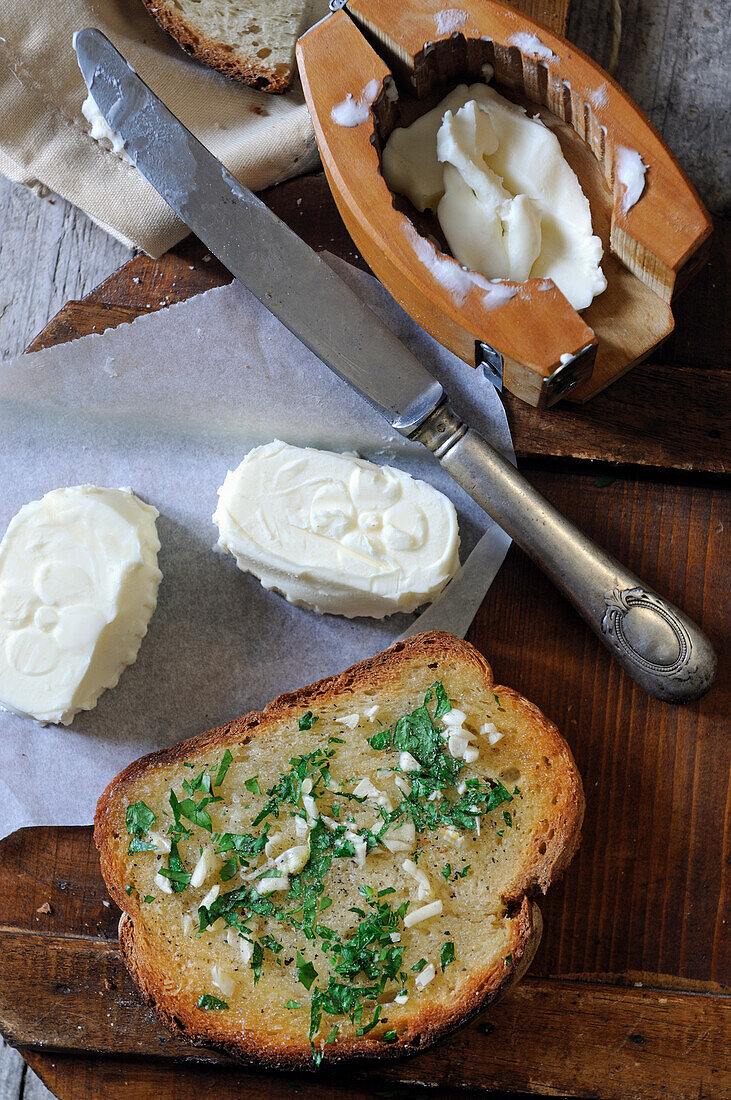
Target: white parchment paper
{"points": [[167, 405]]}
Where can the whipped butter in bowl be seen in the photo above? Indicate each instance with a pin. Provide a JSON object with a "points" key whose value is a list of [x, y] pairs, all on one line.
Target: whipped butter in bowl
{"points": [[78, 586], [508, 202], [335, 533]]}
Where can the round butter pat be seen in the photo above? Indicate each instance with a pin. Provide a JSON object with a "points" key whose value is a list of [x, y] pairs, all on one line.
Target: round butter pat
{"points": [[78, 586], [335, 533]]}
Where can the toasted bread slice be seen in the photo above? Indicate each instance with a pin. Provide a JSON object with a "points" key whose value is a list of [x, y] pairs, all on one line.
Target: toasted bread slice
{"points": [[350, 875], [253, 41]]}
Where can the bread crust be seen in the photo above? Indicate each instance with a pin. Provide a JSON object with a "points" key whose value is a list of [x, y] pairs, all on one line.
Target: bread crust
{"points": [[550, 860], [433, 1024], [257, 74]]}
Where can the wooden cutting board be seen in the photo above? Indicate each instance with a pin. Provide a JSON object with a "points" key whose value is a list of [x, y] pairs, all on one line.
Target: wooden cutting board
{"points": [[628, 995]]}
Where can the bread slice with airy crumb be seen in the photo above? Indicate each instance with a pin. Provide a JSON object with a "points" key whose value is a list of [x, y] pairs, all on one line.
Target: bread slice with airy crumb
{"points": [[252, 41], [350, 872]]}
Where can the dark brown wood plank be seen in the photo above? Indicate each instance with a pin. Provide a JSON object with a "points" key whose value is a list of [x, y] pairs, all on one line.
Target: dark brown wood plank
{"points": [[683, 426], [647, 890], [546, 1035], [68, 1076], [672, 412], [50, 883], [702, 337]]}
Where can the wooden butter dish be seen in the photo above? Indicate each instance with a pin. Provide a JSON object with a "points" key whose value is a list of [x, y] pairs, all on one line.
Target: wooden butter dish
{"points": [[535, 344]]}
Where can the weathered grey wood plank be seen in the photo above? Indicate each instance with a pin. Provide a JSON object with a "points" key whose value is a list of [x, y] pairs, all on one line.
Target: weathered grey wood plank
{"points": [[673, 60], [18, 1081], [12, 1072], [49, 252]]}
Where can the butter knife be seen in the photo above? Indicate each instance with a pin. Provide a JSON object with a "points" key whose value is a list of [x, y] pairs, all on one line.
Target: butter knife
{"points": [[655, 642]]}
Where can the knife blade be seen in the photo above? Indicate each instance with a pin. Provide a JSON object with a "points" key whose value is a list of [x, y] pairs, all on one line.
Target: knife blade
{"points": [[455, 608], [656, 643], [284, 273]]}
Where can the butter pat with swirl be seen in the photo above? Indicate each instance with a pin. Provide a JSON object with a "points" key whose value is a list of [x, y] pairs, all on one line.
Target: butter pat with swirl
{"points": [[335, 533], [78, 586]]}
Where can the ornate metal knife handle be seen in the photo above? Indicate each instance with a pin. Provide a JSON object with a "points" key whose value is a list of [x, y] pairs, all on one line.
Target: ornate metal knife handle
{"points": [[655, 642]]}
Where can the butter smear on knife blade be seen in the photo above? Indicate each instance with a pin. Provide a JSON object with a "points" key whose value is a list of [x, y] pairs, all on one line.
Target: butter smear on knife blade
{"points": [[336, 533], [101, 131]]}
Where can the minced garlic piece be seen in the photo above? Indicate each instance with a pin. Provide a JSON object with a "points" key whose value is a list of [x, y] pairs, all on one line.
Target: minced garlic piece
{"points": [[270, 885], [433, 909], [427, 975], [425, 890], [349, 720]]}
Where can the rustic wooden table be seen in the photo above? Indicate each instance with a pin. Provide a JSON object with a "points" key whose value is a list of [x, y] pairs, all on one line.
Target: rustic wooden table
{"points": [[655, 900]]}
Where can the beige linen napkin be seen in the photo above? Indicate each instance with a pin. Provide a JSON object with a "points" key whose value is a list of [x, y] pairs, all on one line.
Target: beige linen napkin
{"points": [[45, 140]]}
